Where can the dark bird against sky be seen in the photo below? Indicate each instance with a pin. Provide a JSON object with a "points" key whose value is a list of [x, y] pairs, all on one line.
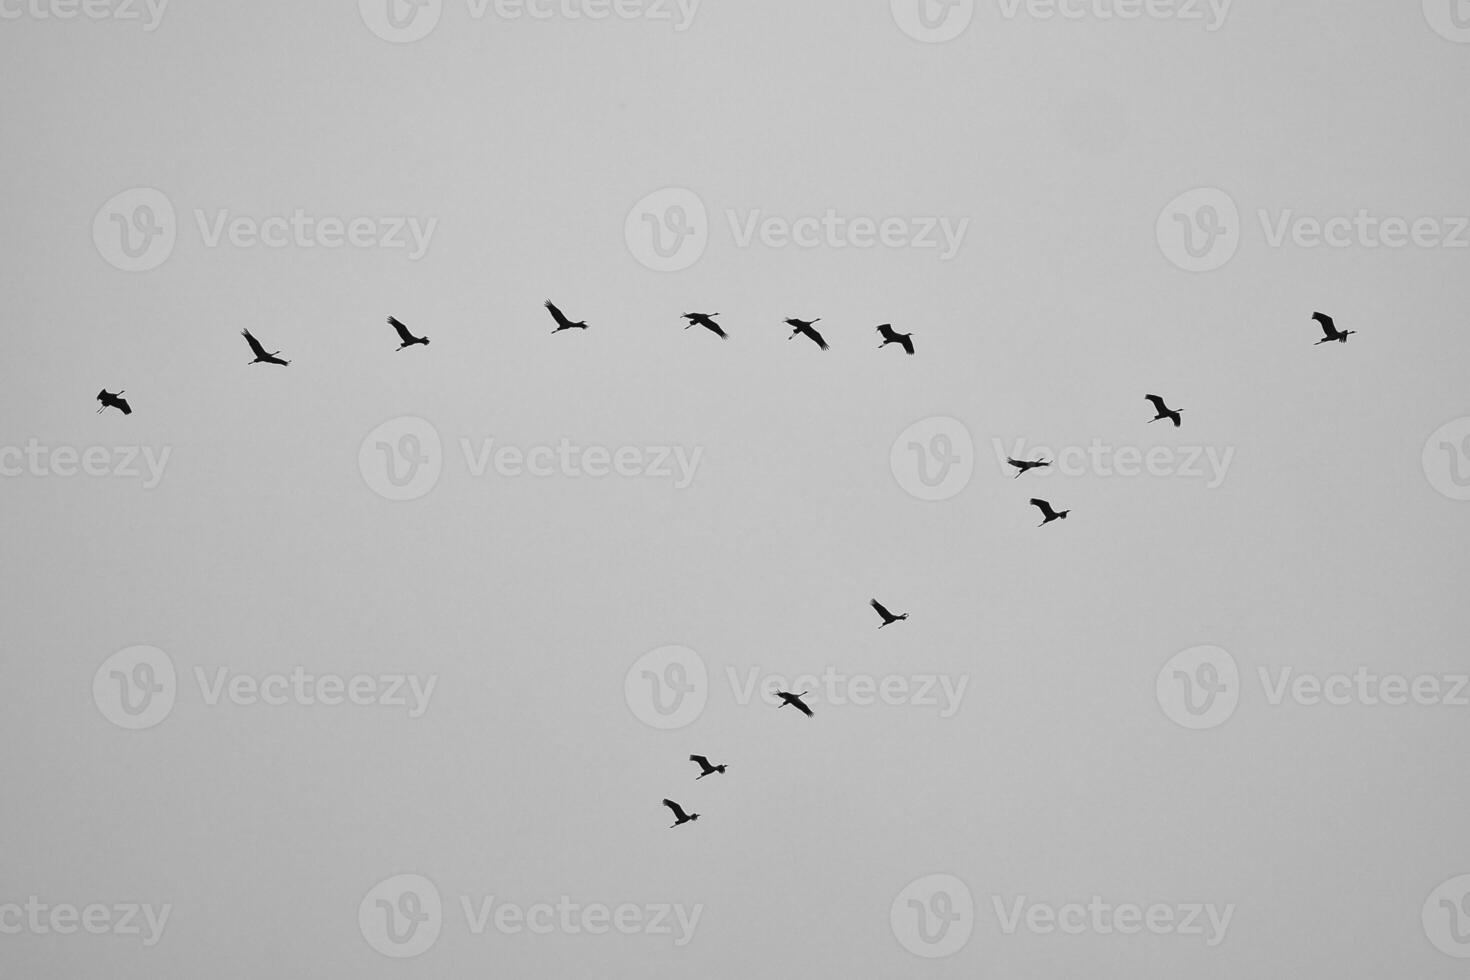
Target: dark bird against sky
{"points": [[1330, 329], [795, 700], [408, 339], [1165, 412], [1048, 515], [562, 323], [261, 357], [804, 328], [680, 817], [891, 336], [888, 618], [1024, 466], [704, 765], [116, 401]]}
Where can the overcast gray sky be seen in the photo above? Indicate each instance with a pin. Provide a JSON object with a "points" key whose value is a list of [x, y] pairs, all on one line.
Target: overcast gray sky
{"points": [[1305, 518]]}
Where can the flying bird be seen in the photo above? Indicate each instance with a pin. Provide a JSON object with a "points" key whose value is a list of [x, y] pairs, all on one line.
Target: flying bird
{"points": [[706, 320], [261, 357], [1164, 411], [704, 765], [680, 817], [891, 336], [117, 401], [1047, 513], [403, 334], [795, 700], [888, 618], [1330, 329], [1024, 466], [562, 323], [805, 328]]}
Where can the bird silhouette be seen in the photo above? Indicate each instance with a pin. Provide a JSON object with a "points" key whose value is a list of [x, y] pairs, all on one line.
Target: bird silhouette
{"points": [[261, 357], [116, 401], [408, 339], [562, 323], [680, 817], [1330, 329], [795, 700], [804, 328], [888, 618], [1047, 513], [891, 336], [1164, 411], [1024, 466], [706, 320], [704, 765]]}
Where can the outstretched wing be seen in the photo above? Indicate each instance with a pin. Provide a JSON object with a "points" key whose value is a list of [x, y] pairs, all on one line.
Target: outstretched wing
{"points": [[1329, 327], [881, 611], [800, 705], [703, 762], [812, 333], [1158, 404], [907, 343], [557, 315], [1043, 506], [403, 333], [1017, 463], [123, 406], [715, 329], [254, 344], [885, 330], [678, 810]]}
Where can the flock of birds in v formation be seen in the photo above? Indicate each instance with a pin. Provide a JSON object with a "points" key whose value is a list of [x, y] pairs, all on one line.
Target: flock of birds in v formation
{"points": [[800, 328]]}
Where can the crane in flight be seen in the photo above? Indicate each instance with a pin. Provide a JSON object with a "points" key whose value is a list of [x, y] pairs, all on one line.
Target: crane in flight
{"points": [[888, 618], [117, 401], [261, 357], [891, 336], [795, 700], [1048, 515], [407, 339], [1164, 412], [804, 328], [562, 323], [706, 320], [708, 770], [680, 817], [1024, 466], [1329, 328]]}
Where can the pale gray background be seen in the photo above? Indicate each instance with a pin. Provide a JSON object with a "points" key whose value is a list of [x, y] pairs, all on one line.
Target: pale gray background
{"points": [[529, 778]]}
